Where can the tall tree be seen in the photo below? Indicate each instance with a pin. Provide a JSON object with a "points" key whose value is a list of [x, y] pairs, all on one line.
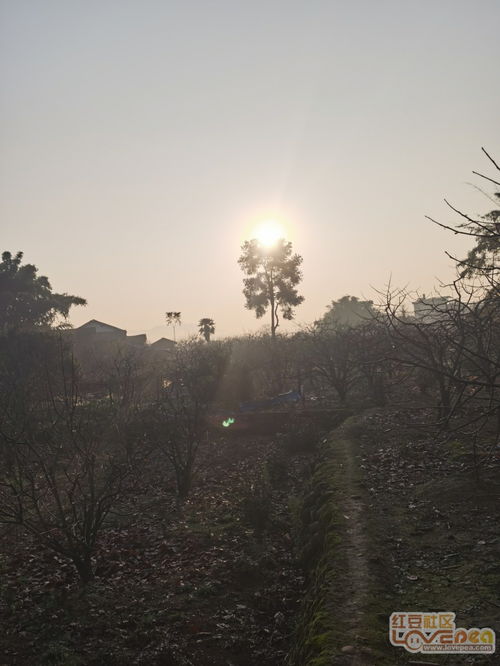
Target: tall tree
{"points": [[273, 274], [206, 327], [173, 319], [26, 298], [179, 423]]}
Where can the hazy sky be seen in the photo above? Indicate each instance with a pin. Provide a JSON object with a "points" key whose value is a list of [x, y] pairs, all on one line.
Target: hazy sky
{"points": [[142, 141]]}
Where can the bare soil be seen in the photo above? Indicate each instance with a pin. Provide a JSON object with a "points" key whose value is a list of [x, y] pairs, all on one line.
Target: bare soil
{"points": [[196, 586]]}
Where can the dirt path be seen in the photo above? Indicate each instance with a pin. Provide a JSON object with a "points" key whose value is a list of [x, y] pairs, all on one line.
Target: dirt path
{"points": [[356, 578], [357, 563]]}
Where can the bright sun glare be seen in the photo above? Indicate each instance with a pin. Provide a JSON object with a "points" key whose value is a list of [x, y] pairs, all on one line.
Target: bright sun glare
{"points": [[269, 232]]}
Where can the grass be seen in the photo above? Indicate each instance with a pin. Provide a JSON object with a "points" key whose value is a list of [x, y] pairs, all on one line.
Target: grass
{"points": [[316, 636]]}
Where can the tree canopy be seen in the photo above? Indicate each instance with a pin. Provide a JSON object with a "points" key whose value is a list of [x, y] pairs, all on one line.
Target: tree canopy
{"points": [[482, 260], [483, 257], [206, 328], [27, 299], [273, 275], [173, 319], [347, 311]]}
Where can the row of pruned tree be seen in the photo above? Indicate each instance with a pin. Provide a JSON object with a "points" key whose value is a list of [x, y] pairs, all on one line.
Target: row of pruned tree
{"points": [[68, 457], [453, 348]]}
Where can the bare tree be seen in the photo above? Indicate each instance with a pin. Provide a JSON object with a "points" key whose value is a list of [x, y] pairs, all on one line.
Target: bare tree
{"points": [[371, 349], [194, 379], [474, 319], [332, 358], [481, 262], [63, 467]]}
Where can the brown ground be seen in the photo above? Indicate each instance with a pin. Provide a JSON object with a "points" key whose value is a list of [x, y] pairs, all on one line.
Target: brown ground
{"points": [[197, 587], [203, 587], [431, 529]]}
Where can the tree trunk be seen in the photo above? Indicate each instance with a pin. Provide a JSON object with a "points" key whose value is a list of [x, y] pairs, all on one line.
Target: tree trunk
{"points": [[273, 315], [184, 482], [342, 393], [83, 565]]}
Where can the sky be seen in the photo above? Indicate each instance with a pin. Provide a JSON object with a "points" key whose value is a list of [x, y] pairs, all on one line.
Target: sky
{"points": [[142, 141]]}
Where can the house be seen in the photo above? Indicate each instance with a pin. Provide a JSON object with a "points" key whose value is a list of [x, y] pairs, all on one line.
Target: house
{"points": [[99, 328], [163, 345], [95, 331], [137, 340]]}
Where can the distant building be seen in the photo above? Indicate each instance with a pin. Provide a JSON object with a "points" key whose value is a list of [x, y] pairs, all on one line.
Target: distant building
{"points": [[137, 340], [99, 334], [430, 309], [163, 345], [96, 332]]}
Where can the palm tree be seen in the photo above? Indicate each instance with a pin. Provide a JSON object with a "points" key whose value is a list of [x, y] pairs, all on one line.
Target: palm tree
{"points": [[173, 318], [206, 327]]}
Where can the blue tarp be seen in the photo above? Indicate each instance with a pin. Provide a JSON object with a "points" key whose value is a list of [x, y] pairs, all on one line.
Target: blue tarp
{"points": [[282, 399]]}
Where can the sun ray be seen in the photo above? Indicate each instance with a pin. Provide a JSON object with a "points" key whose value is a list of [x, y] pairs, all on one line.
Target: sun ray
{"points": [[269, 232]]}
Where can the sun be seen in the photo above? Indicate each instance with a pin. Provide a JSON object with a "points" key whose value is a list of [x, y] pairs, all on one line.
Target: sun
{"points": [[269, 232]]}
